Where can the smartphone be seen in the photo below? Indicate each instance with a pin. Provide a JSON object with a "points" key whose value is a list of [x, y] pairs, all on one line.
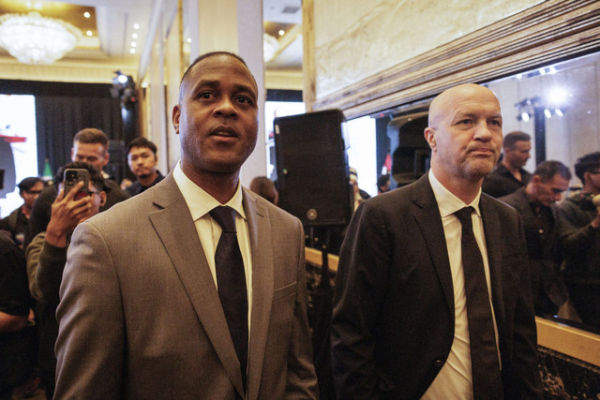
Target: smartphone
{"points": [[73, 175]]}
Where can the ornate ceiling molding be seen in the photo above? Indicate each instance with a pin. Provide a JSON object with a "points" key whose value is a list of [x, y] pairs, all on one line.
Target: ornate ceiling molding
{"points": [[549, 32]]}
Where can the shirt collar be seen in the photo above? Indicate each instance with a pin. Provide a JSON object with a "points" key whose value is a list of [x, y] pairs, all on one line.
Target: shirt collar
{"points": [[447, 202], [199, 201]]}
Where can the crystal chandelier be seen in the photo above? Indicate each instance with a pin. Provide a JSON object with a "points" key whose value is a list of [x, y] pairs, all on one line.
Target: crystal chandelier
{"points": [[34, 39]]}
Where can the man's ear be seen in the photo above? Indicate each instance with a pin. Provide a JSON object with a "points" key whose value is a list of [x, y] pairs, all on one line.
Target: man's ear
{"points": [[175, 117], [106, 158], [102, 198], [430, 137]]}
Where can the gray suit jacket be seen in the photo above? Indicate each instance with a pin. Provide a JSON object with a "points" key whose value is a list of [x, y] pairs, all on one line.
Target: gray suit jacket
{"points": [[393, 317], [140, 316]]}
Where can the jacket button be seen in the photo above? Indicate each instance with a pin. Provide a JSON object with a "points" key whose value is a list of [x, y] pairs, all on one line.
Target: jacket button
{"points": [[438, 363]]}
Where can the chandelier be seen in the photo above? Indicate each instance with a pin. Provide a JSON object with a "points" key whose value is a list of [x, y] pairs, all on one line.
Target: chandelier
{"points": [[34, 39]]}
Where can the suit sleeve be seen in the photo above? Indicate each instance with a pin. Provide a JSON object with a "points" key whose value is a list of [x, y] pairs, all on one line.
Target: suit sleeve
{"points": [[90, 342], [301, 377], [524, 379], [365, 258]]}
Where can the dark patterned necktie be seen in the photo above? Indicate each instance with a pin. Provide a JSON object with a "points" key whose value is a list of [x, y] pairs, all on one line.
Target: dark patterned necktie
{"points": [[231, 280], [487, 380]]}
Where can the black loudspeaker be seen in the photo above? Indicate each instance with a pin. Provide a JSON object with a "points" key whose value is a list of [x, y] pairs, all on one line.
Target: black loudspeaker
{"points": [[312, 168], [117, 166]]}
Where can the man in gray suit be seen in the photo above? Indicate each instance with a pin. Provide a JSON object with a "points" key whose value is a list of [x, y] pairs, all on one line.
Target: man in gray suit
{"points": [[423, 265], [142, 314]]}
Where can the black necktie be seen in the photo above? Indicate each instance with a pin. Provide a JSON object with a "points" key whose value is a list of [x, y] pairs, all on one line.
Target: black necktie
{"points": [[487, 381], [231, 280]]}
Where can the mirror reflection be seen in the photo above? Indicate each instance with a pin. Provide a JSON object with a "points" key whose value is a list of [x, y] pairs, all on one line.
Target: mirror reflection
{"points": [[551, 167]]}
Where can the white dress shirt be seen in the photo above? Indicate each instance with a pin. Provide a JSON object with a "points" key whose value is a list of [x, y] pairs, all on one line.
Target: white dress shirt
{"points": [[200, 203], [454, 381]]}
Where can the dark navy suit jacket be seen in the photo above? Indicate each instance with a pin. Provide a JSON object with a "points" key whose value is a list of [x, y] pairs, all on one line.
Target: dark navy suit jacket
{"points": [[393, 319]]}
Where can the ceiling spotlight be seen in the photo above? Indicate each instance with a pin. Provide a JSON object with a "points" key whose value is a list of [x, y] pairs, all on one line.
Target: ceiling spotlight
{"points": [[557, 96], [134, 35], [525, 116], [132, 50], [559, 112], [547, 113], [552, 70], [542, 71], [136, 26], [89, 33], [133, 44], [122, 78], [87, 14], [519, 76], [189, 40], [281, 32]]}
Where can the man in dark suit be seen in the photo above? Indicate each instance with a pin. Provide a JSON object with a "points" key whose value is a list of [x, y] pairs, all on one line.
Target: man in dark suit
{"points": [[403, 304], [536, 205], [148, 314], [509, 175]]}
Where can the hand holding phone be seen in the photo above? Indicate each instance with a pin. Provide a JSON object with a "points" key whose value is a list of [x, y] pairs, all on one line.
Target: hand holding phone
{"points": [[73, 175]]}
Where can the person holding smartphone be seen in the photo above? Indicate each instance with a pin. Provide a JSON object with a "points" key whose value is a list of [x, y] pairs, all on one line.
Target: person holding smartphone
{"points": [[80, 197]]}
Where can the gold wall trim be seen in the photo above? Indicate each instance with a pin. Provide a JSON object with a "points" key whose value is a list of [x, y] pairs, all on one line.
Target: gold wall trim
{"points": [[308, 54], [544, 33], [579, 344], [315, 257], [98, 71]]}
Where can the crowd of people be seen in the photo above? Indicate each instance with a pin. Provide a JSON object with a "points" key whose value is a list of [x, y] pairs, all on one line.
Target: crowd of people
{"points": [[191, 286]]}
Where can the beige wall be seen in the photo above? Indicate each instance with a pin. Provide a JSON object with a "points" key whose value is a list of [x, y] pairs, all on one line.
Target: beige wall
{"points": [[355, 39]]}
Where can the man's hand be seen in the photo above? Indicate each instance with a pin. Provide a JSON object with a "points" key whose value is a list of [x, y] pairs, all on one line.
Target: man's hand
{"points": [[596, 221], [67, 213]]}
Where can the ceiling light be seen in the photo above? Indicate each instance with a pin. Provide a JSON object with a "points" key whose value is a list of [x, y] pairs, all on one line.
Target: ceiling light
{"points": [[133, 44], [547, 113], [525, 116], [87, 14], [122, 78], [281, 32], [89, 33], [559, 112], [134, 35], [34, 39], [132, 50], [136, 26], [189, 40], [557, 96]]}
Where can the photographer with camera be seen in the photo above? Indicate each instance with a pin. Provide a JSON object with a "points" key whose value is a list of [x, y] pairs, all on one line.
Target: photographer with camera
{"points": [[80, 197]]}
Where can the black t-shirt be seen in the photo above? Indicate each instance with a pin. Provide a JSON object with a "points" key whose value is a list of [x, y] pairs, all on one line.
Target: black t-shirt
{"points": [[17, 349]]}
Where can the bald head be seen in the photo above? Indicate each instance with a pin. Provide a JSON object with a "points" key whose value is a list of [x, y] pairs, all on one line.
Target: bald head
{"points": [[442, 104], [465, 136]]}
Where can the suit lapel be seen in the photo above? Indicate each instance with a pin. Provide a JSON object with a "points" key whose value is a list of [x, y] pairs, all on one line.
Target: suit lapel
{"points": [[493, 240], [173, 224], [262, 289], [428, 218]]}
